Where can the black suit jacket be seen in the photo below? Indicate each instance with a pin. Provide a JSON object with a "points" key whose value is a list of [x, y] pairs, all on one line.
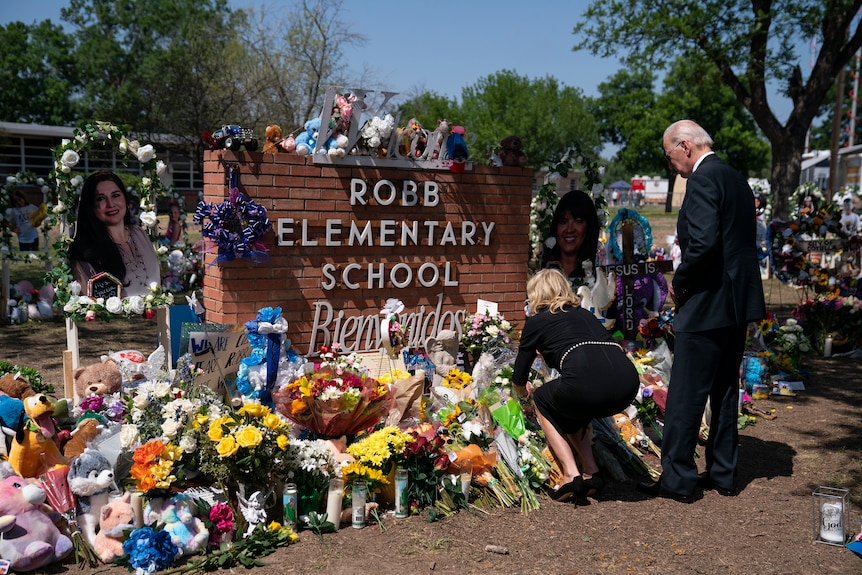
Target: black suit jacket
{"points": [[718, 282]]}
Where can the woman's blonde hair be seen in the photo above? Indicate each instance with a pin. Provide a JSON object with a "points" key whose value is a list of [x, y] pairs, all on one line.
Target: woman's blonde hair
{"points": [[549, 289]]}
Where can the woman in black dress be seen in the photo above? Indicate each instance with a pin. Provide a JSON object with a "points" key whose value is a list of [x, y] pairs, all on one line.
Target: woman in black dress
{"points": [[596, 380]]}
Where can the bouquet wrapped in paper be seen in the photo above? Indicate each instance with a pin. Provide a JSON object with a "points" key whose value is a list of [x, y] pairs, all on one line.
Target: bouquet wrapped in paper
{"points": [[55, 484], [337, 398]]}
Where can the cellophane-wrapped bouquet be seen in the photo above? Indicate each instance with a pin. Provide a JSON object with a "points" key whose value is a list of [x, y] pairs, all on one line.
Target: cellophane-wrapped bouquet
{"points": [[337, 398]]}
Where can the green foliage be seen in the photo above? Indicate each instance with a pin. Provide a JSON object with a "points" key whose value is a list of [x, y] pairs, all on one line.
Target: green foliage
{"points": [[748, 45], [548, 117], [246, 552], [37, 73], [319, 524]]}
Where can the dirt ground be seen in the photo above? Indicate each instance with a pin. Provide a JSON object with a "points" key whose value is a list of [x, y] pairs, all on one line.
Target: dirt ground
{"points": [[768, 529]]}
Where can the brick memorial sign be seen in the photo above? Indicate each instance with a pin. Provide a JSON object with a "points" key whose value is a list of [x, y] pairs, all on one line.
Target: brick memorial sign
{"points": [[347, 237]]}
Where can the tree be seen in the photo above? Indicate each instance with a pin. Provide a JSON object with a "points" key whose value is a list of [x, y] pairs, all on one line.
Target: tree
{"points": [[37, 73], [550, 118], [750, 42], [302, 54], [428, 108], [162, 66]]}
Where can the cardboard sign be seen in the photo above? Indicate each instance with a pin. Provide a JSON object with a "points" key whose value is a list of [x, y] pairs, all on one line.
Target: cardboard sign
{"points": [[217, 351], [104, 285]]}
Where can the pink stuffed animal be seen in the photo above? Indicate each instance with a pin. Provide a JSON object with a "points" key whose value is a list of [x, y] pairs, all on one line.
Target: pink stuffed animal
{"points": [[116, 518], [30, 539]]}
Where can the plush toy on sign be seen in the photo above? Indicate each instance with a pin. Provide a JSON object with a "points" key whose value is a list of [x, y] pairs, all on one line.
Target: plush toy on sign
{"points": [[30, 539], [307, 141], [90, 477], [33, 446], [412, 140], [511, 153], [176, 515], [456, 149], [272, 144], [102, 378], [115, 520], [434, 147]]}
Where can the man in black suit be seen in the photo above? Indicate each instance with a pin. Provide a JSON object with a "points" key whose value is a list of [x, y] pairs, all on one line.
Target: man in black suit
{"points": [[717, 290]]}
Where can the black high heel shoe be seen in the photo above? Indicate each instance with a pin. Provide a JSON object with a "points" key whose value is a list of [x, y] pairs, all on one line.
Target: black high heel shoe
{"points": [[595, 483], [576, 487]]}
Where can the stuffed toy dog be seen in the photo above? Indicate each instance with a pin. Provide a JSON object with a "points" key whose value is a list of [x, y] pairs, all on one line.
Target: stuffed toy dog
{"points": [[33, 447], [90, 477]]}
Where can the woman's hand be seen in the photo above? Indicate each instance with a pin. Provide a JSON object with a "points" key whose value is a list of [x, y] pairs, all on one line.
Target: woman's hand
{"points": [[523, 391]]}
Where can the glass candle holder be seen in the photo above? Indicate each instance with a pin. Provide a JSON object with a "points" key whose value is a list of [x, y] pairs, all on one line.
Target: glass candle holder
{"points": [[333, 501], [360, 494], [402, 508], [831, 514], [291, 504]]}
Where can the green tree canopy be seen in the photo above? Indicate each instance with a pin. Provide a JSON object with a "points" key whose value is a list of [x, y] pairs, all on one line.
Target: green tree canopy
{"points": [[37, 74], [749, 42], [550, 118]]}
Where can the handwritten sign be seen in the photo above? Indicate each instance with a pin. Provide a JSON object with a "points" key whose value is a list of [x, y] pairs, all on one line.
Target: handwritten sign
{"points": [[104, 285], [217, 353]]}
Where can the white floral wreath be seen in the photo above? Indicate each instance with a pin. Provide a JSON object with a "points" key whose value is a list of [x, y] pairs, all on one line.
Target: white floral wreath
{"points": [[7, 251], [79, 306], [807, 189]]}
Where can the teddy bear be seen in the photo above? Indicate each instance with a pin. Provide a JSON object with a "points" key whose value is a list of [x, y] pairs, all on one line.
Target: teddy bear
{"points": [[30, 539], [176, 515], [16, 385], [511, 153], [273, 139], [115, 520], [102, 378], [90, 477], [335, 145], [33, 446]]}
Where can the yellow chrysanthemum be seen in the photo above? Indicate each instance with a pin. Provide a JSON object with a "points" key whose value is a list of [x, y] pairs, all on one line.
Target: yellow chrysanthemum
{"points": [[249, 436], [227, 447]]}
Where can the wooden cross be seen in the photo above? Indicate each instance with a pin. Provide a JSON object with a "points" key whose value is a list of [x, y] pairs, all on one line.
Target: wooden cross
{"points": [[628, 270]]}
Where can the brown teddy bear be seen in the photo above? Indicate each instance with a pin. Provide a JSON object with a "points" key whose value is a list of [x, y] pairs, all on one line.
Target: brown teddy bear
{"points": [[511, 153], [97, 379], [86, 430], [273, 143], [16, 385]]}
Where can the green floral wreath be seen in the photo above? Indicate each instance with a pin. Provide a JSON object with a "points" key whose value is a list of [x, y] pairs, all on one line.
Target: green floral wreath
{"points": [[643, 243], [807, 189], [69, 293], [7, 249]]}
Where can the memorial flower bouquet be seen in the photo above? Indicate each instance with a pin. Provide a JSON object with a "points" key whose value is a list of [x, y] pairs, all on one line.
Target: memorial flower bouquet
{"points": [[246, 446], [791, 344], [375, 456], [482, 331], [337, 398], [156, 466]]}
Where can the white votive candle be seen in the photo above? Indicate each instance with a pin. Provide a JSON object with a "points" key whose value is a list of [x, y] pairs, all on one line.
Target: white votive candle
{"points": [[333, 501], [827, 347]]}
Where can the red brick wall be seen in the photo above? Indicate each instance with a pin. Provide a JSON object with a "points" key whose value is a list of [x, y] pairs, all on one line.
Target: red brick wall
{"points": [[292, 186]]}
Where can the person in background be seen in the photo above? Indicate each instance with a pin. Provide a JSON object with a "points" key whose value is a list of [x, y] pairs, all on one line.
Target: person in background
{"points": [[717, 290], [106, 240], [20, 216], [849, 219], [575, 232], [596, 380], [174, 233]]}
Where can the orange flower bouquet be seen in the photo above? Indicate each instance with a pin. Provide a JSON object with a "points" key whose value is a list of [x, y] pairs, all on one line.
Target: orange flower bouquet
{"points": [[337, 398]]}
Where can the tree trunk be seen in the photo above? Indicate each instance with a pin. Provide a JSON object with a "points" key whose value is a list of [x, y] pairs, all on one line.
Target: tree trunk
{"points": [[786, 168]]}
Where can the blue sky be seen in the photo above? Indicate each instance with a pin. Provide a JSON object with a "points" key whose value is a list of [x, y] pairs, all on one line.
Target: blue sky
{"points": [[441, 46], [445, 45]]}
